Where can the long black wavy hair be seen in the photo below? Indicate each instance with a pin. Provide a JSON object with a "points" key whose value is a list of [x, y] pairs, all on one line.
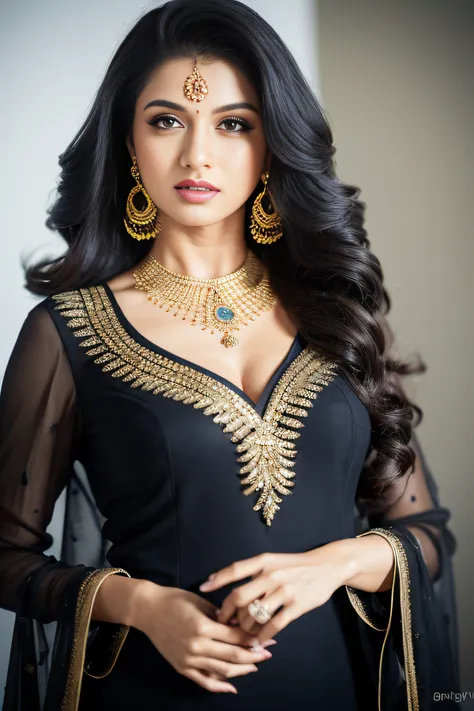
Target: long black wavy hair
{"points": [[322, 268]]}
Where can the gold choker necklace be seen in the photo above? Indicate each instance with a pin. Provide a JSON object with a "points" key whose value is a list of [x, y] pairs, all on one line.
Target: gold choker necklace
{"points": [[221, 303]]}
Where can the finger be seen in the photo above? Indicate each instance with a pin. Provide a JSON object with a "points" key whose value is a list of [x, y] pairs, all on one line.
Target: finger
{"points": [[226, 633], [238, 570], [248, 623], [231, 652], [243, 595], [276, 600], [277, 623], [209, 683], [230, 634], [224, 669]]}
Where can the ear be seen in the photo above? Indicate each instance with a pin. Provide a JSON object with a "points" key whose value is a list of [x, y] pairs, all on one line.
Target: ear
{"points": [[267, 161], [130, 146]]}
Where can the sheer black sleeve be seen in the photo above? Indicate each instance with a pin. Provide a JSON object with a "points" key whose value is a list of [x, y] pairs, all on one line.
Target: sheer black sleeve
{"points": [[411, 629], [40, 434], [417, 616]]}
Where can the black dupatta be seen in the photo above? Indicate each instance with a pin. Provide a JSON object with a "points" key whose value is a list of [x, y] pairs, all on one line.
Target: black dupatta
{"points": [[410, 632]]}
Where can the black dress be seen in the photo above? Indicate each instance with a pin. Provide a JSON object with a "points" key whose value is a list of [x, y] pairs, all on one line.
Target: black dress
{"points": [[163, 442]]}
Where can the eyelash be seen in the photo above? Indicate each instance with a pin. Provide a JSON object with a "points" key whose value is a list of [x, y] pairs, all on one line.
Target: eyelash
{"points": [[245, 126]]}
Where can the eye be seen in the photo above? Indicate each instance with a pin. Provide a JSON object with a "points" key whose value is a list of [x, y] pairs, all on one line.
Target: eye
{"points": [[235, 120], [244, 126], [159, 119]]}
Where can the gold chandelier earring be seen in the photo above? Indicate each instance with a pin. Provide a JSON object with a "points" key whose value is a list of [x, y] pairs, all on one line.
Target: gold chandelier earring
{"points": [[265, 227], [141, 224]]}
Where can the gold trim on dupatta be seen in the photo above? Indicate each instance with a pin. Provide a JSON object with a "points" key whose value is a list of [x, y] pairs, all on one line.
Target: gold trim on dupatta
{"points": [[85, 601], [401, 566]]}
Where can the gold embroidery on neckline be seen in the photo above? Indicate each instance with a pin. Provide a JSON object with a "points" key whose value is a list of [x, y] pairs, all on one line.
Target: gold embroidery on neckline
{"points": [[265, 442]]}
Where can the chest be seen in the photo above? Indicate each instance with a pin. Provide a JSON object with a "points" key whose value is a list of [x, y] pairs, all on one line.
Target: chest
{"points": [[152, 414], [262, 345]]}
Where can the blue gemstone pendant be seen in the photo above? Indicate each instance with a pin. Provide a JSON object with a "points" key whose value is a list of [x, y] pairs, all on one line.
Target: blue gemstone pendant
{"points": [[224, 313]]}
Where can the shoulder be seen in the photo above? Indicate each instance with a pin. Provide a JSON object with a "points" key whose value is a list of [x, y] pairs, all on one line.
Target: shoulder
{"points": [[122, 282], [38, 319], [359, 411], [38, 340]]}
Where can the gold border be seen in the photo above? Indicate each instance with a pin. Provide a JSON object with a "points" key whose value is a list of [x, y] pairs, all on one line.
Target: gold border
{"points": [[85, 602], [361, 608], [401, 566]]}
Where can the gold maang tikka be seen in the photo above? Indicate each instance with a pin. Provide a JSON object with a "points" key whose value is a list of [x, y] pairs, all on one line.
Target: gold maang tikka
{"points": [[220, 303], [195, 87]]}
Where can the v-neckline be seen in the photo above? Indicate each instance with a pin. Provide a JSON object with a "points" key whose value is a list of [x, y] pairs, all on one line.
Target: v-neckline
{"points": [[258, 406]]}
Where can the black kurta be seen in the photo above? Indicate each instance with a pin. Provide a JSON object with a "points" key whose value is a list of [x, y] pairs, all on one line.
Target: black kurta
{"points": [[160, 438]]}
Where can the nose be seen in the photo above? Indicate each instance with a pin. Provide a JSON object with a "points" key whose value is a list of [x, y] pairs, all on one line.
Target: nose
{"points": [[197, 148]]}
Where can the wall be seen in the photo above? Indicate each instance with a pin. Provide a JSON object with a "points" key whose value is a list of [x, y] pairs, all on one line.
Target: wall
{"points": [[396, 80]]}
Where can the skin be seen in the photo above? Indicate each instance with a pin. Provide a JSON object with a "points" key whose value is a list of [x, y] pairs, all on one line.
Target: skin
{"points": [[207, 240]]}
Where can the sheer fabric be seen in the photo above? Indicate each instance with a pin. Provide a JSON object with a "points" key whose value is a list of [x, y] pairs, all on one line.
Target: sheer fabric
{"points": [[420, 656], [55, 641], [40, 431]]}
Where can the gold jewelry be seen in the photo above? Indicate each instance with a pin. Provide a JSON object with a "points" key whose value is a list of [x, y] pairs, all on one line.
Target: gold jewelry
{"points": [[259, 611], [195, 87], [221, 303], [265, 227], [141, 224]]}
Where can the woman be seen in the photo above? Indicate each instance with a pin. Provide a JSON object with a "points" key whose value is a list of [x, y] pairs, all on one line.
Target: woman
{"points": [[202, 187]]}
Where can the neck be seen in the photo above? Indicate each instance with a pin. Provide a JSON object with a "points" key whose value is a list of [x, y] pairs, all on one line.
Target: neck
{"points": [[204, 252]]}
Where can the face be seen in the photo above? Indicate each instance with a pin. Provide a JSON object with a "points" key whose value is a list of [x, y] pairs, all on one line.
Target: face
{"points": [[198, 141]]}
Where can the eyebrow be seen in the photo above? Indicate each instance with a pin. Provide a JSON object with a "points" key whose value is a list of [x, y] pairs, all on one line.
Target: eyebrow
{"points": [[218, 110]]}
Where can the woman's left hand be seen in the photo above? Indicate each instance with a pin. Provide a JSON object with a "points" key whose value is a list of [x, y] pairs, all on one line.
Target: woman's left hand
{"points": [[297, 581]]}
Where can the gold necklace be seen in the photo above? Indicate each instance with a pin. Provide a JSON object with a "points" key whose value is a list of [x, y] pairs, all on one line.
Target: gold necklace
{"points": [[221, 303]]}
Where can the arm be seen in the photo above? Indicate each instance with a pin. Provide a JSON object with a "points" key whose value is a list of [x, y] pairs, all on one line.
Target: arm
{"points": [[370, 560], [411, 501], [420, 604], [40, 431], [411, 504]]}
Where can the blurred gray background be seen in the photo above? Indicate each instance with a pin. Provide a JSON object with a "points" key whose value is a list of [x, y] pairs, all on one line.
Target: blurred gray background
{"points": [[396, 81]]}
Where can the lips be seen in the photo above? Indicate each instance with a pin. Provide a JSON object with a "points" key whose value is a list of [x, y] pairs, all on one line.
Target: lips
{"points": [[197, 184]]}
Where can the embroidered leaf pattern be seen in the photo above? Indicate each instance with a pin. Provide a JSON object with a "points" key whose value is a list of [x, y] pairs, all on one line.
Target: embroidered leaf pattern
{"points": [[265, 443]]}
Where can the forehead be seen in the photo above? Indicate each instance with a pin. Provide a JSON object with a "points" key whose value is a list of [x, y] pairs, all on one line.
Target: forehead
{"points": [[225, 81]]}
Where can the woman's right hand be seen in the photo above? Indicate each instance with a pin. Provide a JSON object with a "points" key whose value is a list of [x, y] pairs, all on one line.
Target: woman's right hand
{"points": [[183, 628]]}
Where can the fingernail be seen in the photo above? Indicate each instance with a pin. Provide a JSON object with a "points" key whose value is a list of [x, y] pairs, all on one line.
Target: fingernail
{"points": [[207, 583], [257, 648], [269, 642]]}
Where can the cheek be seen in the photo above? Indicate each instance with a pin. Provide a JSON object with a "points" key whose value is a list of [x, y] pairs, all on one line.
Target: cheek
{"points": [[245, 167], [155, 162]]}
